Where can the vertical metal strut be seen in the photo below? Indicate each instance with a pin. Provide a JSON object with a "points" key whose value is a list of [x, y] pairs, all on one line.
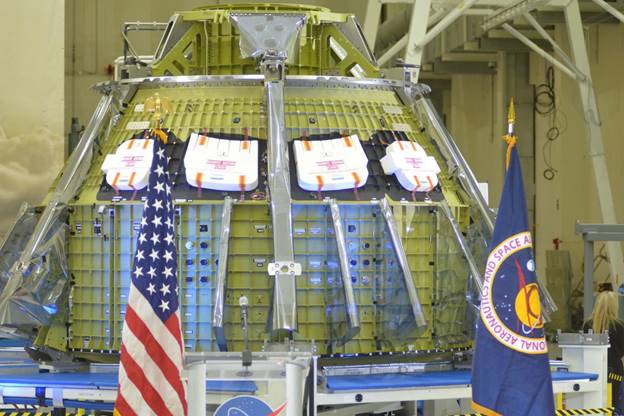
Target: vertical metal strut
{"points": [[399, 250], [219, 302], [351, 306], [270, 38]]}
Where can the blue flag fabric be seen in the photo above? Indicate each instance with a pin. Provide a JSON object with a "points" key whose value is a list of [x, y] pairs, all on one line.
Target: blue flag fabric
{"points": [[510, 372]]}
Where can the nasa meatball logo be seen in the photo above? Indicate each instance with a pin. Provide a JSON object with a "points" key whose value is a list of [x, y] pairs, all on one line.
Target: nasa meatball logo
{"points": [[247, 406], [513, 320]]}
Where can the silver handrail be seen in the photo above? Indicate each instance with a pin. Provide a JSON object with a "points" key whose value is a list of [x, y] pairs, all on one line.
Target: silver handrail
{"points": [[397, 244], [219, 302], [352, 308]]}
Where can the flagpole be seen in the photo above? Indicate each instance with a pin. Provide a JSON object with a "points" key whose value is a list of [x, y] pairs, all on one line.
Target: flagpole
{"points": [[510, 137]]}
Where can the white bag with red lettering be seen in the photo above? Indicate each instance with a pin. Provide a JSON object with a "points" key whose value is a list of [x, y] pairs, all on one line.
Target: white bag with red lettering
{"points": [[221, 164], [408, 161], [330, 165], [129, 167]]}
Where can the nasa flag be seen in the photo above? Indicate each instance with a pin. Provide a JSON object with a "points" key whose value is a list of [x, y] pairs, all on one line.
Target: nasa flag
{"points": [[510, 372]]}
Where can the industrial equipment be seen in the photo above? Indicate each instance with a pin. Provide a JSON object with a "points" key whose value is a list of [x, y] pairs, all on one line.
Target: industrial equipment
{"points": [[333, 200]]}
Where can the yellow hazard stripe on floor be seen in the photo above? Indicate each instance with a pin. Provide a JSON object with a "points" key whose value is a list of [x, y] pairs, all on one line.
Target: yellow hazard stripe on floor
{"points": [[80, 413], [563, 412]]}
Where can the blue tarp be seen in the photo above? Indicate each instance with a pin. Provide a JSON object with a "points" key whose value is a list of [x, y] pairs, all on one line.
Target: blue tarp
{"points": [[105, 381], [429, 379]]}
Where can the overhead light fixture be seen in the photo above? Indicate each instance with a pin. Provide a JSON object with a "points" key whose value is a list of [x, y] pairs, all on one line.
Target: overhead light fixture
{"points": [[510, 12]]}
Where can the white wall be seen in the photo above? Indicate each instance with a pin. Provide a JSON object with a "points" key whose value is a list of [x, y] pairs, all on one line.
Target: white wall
{"points": [[572, 195], [31, 101]]}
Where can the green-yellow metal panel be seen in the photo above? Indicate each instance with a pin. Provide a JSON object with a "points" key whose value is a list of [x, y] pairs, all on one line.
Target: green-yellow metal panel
{"points": [[103, 235]]}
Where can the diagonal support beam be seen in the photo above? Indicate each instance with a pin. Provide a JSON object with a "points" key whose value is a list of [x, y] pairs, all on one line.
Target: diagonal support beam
{"points": [[446, 21], [421, 21], [393, 51], [533, 46], [593, 128], [351, 306], [418, 36], [399, 250], [558, 50], [463, 245], [510, 12], [610, 9], [218, 312]]}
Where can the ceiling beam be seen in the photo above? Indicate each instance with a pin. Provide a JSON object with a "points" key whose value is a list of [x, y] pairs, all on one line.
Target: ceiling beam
{"points": [[443, 67], [509, 45], [469, 57]]}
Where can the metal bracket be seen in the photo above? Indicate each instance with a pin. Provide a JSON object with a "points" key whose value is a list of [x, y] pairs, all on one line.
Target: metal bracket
{"points": [[272, 66], [267, 34], [284, 268]]}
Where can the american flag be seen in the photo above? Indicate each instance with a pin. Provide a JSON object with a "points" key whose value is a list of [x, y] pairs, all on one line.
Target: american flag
{"points": [[152, 347]]}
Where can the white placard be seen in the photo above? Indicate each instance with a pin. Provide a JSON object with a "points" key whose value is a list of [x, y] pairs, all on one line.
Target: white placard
{"points": [[392, 109], [401, 127], [138, 125]]}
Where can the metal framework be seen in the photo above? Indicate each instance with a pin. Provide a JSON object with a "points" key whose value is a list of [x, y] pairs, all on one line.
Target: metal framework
{"points": [[592, 233], [575, 66]]}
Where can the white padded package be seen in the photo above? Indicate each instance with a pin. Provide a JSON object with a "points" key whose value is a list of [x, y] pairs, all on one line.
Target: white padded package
{"points": [[415, 170], [129, 167], [221, 164], [331, 165]]}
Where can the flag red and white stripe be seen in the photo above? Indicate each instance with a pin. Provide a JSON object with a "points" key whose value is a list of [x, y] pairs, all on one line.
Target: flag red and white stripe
{"points": [[152, 352]]}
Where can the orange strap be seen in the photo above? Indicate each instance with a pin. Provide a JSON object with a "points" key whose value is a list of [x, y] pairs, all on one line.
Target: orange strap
{"points": [[511, 142], [198, 179], [130, 184], [202, 140], [114, 184], [430, 183], [417, 182], [347, 141], [319, 181], [400, 144], [241, 182], [130, 144], [145, 143], [246, 141], [161, 135], [307, 145], [356, 179]]}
